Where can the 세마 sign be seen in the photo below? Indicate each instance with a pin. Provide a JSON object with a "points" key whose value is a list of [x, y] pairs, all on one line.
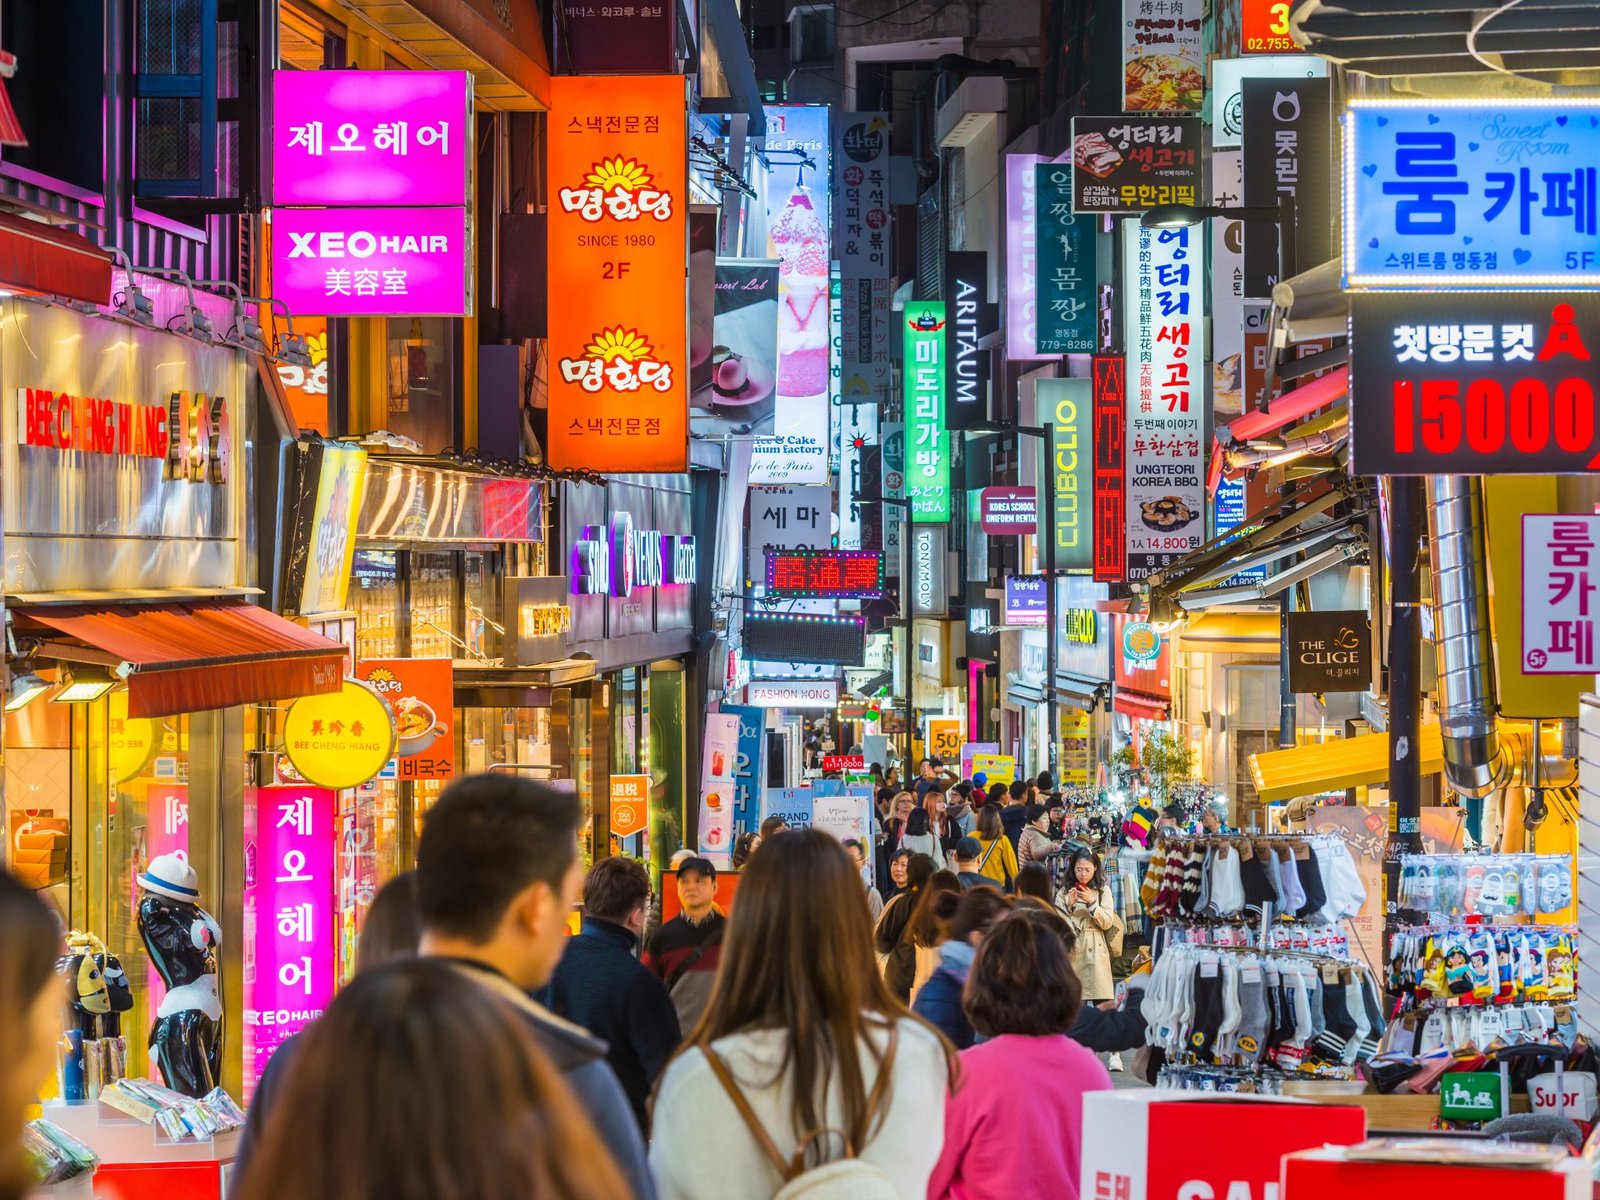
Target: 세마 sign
{"points": [[371, 137], [372, 262]]}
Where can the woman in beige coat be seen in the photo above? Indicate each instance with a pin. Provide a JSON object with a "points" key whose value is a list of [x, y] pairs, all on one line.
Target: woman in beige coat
{"points": [[1087, 904]]}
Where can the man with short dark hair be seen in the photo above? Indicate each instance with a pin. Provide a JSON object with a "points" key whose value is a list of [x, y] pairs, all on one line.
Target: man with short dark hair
{"points": [[934, 774], [969, 856], [1014, 812], [685, 951], [497, 873], [600, 985]]}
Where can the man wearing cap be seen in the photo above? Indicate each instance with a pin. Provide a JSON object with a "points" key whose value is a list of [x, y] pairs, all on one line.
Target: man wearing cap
{"points": [[969, 853], [685, 951]]}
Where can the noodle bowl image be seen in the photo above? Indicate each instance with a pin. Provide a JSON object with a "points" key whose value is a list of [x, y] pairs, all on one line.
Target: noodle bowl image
{"points": [[416, 726]]}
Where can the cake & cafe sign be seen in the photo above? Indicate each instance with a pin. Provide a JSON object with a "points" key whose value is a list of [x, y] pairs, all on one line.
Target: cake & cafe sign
{"points": [[189, 434]]}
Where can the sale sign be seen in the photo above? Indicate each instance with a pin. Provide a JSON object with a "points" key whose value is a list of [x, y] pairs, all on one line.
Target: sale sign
{"points": [[290, 899], [372, 262], [1560, 576], [1469, 383], [371, 137], [618, 341]]}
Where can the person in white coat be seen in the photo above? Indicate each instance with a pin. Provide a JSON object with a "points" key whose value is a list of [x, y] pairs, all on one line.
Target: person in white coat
{"points": [[810, 1041]]}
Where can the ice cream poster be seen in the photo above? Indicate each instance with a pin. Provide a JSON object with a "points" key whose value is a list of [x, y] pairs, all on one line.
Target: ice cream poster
{"points": [[799, 236], [718, 790], [742, 353]]}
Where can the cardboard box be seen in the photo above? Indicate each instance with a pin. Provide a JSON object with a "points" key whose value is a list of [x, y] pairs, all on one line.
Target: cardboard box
{"points": [[1325, 1175], [1177, 1145]]}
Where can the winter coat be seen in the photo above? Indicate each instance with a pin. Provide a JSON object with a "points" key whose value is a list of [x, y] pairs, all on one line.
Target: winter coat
{"points": [[1091, 956], [1033, 846], [924, 843], [939, 1001]]}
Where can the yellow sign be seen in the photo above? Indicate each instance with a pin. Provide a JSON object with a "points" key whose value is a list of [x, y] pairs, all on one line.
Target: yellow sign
{"points": [[341, 739], [630, 804], [132, 740], [944, 738], [995, 768], [341, 478]]}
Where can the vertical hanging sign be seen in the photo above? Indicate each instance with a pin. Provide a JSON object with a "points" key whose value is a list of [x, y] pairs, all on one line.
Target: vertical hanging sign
{"points": [[1065, 303], [1022, 263], [972, 317], [618, 249], [927, 438], [1165, 482], [1110, 494], [1067, 404], [1288, 150], [861, 200]]}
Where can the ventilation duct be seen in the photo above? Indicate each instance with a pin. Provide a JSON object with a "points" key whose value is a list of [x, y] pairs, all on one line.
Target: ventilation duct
{"points": [[1475, 764]]}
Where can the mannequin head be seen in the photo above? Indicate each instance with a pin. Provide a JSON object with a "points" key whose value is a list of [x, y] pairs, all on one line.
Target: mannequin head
{"points": [[498, 873]]}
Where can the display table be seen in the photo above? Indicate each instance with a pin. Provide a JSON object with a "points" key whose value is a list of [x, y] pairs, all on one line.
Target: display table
{"points": [[138, 1162], [1327, 1175], [1406, 1111], [1153, 1145]]}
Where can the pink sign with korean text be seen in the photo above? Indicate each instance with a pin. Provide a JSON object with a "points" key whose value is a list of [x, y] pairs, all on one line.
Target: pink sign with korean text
{"points": [[1560, 578], [371, 262], [371, 137], [289, 975]]}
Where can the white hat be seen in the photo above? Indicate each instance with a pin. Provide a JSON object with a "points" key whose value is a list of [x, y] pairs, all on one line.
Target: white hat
{"points": [[170, 875]]}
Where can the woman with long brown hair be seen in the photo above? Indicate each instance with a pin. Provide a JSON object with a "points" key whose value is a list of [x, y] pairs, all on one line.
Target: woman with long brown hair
{"points": [[31, 1002], [418, 1083], [801, 1046]]}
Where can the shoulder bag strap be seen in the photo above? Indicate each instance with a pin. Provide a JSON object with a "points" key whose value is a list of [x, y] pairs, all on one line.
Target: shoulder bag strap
{"points": [[758, 1131], [985, 861], [695, 955]]}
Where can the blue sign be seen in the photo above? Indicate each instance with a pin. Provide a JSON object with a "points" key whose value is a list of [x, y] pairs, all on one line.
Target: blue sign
{"points": [[1228, 513], [1472, 194], [1025, 602], [792, 804], [747, 766]]}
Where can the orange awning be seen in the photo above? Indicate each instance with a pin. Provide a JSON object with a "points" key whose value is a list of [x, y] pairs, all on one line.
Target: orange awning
{"points": [[1145, 708], [180, 658], [57, 262]]}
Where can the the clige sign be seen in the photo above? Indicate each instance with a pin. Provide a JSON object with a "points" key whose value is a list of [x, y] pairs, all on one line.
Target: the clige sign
{"points": [[1474, 384]]}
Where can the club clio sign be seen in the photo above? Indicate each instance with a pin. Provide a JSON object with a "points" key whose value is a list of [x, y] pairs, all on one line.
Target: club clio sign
{"points": [[1069, 404], [618, 241], [372, 262], [371, 137]]}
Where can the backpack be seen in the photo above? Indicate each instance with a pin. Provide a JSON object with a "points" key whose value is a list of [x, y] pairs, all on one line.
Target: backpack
{"points": [[847, 1178]]}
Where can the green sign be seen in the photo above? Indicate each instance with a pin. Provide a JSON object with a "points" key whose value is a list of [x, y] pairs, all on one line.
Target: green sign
{"points": [[1470, 1096], [1065, 311], [1067, 406], [927, 438]]}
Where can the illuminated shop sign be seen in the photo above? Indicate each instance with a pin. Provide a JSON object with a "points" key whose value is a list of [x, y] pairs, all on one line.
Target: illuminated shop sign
{"points": [[1065, 314], [1472, 194], [972, 317], [1081, 625], [1025, 600], [372, 262], [927, 437], [1008, 510], [825, 574], [1472, 383], [1264, 28], [821, 693], [1110, 480], [1068, 405], [616, 559], [191, 432], [1128, 164]]}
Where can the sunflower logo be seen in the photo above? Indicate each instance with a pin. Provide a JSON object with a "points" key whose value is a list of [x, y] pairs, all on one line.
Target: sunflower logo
{"points": [[618, 172], [612, 344]]}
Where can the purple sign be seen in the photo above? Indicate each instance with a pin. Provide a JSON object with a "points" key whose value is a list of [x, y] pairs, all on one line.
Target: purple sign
{"points": [[1025, 601], [371, 262], [1022, 257], [370, 137], [291, 915]]}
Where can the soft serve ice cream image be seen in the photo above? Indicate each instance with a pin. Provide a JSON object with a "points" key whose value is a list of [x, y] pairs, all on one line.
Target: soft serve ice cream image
{"points": [[801, 241]]}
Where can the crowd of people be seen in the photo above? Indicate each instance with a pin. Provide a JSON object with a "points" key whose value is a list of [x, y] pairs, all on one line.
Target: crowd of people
{"points": [[867, 1041]]}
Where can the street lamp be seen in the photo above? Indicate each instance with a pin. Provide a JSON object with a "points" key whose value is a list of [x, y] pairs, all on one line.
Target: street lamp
{"points": [[908, 601], [1047, 562]]}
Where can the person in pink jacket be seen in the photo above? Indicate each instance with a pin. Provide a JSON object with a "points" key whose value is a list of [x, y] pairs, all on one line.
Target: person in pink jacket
{"points": [[1023, 996]]}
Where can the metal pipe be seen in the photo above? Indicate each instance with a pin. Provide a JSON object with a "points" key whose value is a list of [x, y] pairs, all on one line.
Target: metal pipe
{"points": [[1048, 566], [1405, 691], [1475, 763]]}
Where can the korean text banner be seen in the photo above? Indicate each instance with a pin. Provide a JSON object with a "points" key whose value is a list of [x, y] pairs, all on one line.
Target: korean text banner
{"points": [[1474, 383], [1068, 407], [1163, 56], [927, 438], [1472, 194], [1066, 311], [1022, 263], [1110, 466], [1560, 574], [371, 137], [861, 203], [372, 262], [1288, 151], [618, 274], [1129, 164], [865, 325], [1165, 485], [799, 236]]}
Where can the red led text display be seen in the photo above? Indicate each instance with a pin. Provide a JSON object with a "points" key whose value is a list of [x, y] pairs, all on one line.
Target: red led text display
{"points": [[1464, 384], [825, 574], [1110, 494]]}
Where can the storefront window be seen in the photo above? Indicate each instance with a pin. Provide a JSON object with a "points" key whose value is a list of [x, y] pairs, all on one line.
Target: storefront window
{"points": [[667, 760], [625, 717], [422, 366], [433, 605]]}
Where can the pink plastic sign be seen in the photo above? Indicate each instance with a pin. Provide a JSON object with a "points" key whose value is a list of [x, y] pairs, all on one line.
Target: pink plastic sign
{"points": [[370, 137], [290, 918], [371, 262]]}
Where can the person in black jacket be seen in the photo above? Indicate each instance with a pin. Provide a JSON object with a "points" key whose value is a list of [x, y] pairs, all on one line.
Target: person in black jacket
{"points": [[600, 985]]}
